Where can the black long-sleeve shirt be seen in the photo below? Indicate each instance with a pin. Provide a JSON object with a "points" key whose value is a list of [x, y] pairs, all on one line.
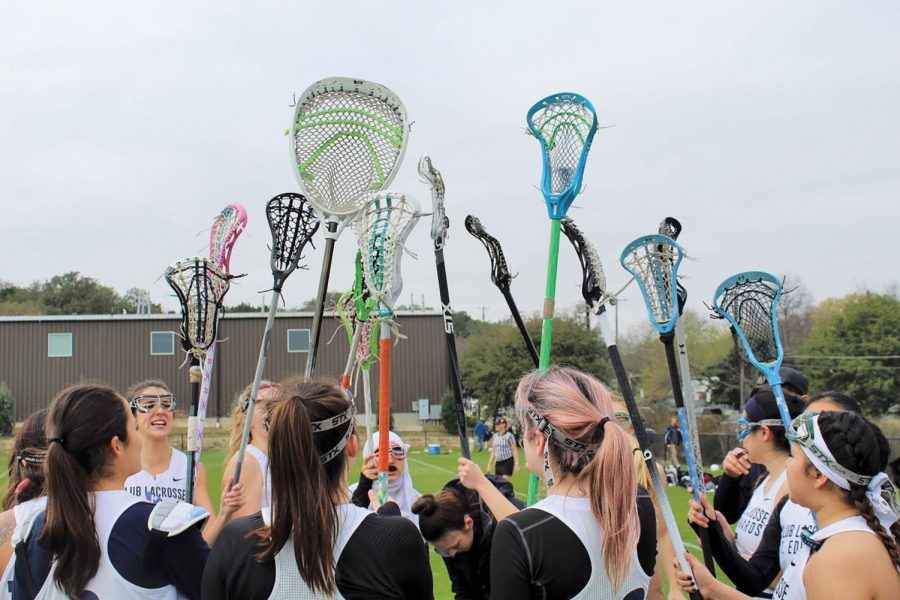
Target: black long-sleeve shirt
{"points": [[733, 494]]}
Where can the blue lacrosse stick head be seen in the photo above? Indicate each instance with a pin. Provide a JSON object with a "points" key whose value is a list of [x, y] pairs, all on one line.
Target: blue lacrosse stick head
{"points": [[653, 262], [749, 302], [565, 125]]}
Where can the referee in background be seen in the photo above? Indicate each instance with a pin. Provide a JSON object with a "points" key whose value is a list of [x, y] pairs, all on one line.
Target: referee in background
{"points": [[504, 456]]}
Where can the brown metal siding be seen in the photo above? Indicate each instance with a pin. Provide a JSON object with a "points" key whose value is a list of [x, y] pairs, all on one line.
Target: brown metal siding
{"points": [[116, 350]]}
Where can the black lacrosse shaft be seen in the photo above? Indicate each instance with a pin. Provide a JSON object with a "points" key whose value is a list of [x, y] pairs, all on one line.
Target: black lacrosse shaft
{"points": [[668, 341], [320, 303], [450, 336], [192, 414], [521, 325]]}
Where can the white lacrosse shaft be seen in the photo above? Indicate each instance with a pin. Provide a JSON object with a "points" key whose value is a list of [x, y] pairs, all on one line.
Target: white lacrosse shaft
{"points": [[367, 395], [687, 387], [254, 390], [644, 442], [351, 357], [205, 385]]}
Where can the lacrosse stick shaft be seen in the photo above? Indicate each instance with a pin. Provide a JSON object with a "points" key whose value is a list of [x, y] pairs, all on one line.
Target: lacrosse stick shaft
{"points": [[320, 304], [345, 378], [687, 386], [384, 408], [195, 377], [514, 310], [205, 385], [450, 336], [696, 481], [547, 326], [257, 378], [367, 396], [643, 439]]}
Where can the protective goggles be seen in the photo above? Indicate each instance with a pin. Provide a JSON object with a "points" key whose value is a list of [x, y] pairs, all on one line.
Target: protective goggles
{"points": [[245, 401], [147, 402], [398, 452], [622, 419], [746, 427]]}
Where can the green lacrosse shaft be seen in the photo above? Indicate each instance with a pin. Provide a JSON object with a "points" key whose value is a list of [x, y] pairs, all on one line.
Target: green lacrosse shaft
{"points": [[547, 326]]}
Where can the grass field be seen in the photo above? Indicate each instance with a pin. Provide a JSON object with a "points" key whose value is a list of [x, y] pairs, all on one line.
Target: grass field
{"points": [[429, 473]]}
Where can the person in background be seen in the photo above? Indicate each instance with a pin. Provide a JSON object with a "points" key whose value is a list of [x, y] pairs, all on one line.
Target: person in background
{"points": [[504, 456], [672, 439], [400, 485], [480, 434], [740, 477]]}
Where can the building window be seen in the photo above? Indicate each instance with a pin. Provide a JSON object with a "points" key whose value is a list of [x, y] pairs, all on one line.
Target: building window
{"points": [[59, 345], [162, 343], [298, 340]]}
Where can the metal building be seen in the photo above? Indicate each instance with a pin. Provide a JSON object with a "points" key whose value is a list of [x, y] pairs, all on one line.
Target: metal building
{"points": [[40, 355]]}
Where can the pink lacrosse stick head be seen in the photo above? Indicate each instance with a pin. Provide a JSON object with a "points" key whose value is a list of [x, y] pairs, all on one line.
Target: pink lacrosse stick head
{"points": [[226, 229]]}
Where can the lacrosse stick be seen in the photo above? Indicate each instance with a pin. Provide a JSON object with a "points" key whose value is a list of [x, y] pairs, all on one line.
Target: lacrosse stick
{"points": [[653, 262], [687, 417], [749, 301], [501, 278], [347, 140], [226, 229], [439, 234], [565, 125], [593, 289], [292, 222], [381, 230], [200, 288]]}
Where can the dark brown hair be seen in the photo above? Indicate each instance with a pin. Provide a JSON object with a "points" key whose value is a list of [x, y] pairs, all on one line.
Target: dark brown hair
{"points": [[82, 421], [26, 461], [440, 514], [305, 491]]}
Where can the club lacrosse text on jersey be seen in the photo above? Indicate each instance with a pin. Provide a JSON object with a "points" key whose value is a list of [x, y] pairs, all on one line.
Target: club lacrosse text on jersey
{"points": [[157, 493]]}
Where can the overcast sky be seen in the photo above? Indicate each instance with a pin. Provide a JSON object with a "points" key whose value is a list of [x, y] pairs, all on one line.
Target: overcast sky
{"points": [[770, 129]]}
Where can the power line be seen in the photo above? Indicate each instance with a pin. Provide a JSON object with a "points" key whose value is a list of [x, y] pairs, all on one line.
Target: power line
{"points": [[820, 357]]}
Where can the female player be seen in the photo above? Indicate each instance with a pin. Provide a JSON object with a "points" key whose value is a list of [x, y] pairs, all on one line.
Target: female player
{"points": [[339, 548], [255, 470], [588, 538], [163, 473], [837, 471], [664, 542], [504, 451], [25, 493], [400, 485], [781, 539], [459, 522], [95, 540]]}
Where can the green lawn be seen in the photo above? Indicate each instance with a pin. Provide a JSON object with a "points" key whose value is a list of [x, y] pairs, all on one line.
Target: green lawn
{"points": [[429, 474]]}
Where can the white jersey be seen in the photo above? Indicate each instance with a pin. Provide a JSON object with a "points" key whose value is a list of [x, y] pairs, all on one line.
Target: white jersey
{"points": [[794, 518], [790, 586], [108, 582], [289, 585], [171, 484], [263, 460], [22, 513], [748, 532], [577, 515]]}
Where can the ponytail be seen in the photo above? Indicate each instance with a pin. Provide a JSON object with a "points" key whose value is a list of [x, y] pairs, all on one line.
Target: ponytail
{"points": [[239, 417], [305, 490], [580, 408], [82, 421], [25, 468]]}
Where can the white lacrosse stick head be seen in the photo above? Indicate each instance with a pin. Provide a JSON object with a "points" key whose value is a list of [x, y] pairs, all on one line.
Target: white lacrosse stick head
{"points": [[440, 224], [382, 227], [348, 138]]}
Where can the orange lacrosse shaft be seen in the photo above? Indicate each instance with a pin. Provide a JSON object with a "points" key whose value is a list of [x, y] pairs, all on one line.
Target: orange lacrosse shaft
{"points": [[345, 381], [384, 402]]}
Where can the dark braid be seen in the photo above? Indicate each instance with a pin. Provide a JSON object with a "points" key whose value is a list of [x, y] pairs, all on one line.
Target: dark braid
{"points": [[859, 446]]}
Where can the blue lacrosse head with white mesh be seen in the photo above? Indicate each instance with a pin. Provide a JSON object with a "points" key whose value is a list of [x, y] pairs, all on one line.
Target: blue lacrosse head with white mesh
{"points": [[653, 261], [749, 301], [565, 125]]}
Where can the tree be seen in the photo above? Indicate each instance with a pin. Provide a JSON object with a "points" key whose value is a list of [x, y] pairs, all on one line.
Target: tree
{"points": [[72, 293], [464, 325], [494, 358], [7, 410], [137, 298], [794, 313], [850, 348], [243, 307], [448, 413]]}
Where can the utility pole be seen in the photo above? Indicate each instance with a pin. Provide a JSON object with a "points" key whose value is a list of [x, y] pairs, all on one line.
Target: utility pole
{"points": [[483, 308]]}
